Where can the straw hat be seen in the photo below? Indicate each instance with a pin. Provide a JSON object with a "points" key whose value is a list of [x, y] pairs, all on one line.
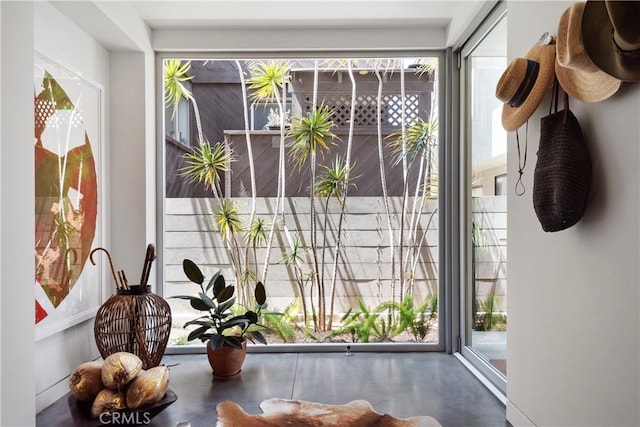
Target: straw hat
{"points": [[611, 37], [577, 74], [524, 83]]}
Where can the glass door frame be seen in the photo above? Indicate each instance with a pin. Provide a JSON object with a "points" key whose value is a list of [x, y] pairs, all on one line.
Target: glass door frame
{"points": [[464, 344]]}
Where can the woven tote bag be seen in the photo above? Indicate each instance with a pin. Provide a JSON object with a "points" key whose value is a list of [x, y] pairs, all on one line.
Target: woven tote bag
{"points": [[562, 176]]}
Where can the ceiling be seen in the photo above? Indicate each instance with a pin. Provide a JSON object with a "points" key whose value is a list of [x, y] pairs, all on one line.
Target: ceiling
{"points": [[451, 18]]}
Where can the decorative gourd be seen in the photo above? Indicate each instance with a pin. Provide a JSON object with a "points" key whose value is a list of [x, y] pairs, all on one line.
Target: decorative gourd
{"points": [[107, 401], [148, 387], [85, 381], [120, 369]]}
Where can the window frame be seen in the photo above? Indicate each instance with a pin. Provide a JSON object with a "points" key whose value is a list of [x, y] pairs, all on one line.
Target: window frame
{"points": [[444, 278]]}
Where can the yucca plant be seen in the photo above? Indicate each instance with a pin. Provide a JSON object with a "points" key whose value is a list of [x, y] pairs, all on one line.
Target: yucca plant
{"points": [[267, 82], [334, 182], [228, 219], [255, 236], [416, 144], [348, 150], [294, 259], [175, 77], [205, 165], [312, 134]]}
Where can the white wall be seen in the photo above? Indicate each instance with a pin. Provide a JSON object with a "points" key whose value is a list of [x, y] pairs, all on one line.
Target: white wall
{"points": [[79, 39], [574, 342], [60, 39], [16, 215]]}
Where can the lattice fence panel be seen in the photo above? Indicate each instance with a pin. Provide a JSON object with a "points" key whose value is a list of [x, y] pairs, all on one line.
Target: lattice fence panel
{"points": [[366, 106]]}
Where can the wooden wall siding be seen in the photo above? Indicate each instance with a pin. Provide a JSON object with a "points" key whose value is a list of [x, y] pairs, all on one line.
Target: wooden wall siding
{"points": [[216, 88], [490, 216], [175, 185], [365, 268], [220, 108], [265, 147]]}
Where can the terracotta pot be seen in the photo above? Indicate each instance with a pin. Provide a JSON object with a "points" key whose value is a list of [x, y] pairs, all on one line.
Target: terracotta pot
{"points": [[226, 361]]}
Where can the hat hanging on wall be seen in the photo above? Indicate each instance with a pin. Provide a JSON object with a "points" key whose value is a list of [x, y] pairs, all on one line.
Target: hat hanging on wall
{"points": [[525, 82], [611, 37], [577, 74]]}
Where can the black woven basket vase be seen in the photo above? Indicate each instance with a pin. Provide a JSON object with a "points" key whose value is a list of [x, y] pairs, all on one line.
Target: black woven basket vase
{"points": [[562, 176], [136, 321]]}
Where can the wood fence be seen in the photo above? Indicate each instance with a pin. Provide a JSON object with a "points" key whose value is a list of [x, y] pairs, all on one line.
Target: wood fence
{"points": [[364, 269]]}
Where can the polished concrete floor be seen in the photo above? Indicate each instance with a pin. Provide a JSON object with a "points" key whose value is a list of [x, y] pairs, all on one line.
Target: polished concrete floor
{"points": [[400, 384]]}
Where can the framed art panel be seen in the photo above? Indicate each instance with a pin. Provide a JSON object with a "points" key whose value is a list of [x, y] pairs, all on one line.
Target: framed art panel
{"points": [[68, 127]]}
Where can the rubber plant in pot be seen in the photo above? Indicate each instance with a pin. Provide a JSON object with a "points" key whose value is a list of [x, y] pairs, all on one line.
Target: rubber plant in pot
{"points": [[224, 332]]}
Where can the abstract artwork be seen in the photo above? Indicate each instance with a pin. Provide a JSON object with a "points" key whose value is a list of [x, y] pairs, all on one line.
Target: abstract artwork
{"points": [[67, 143]]}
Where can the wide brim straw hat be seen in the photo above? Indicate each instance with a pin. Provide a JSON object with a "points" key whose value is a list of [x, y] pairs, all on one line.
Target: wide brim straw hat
{"points": [[611, 37], [576, 72], [524, 83]]}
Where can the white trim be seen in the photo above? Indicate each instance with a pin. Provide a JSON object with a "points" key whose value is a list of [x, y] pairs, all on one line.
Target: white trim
{"points": [[318, 348], [516, 418], [47, 397], [493, 389], [304, 39]]}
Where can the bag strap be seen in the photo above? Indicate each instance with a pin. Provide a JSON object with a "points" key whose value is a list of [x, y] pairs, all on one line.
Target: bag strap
{"points": [[554, 97], [553, 105], [565, 116]]}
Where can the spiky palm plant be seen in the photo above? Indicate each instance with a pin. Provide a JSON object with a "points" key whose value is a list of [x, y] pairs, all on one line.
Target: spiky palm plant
{"points": [[205, 164], [418, 143], [255, 236], [294, 259], [349, 149], [229, 223], [175, 75], [419, 138], [335, 180], [228, 218], [268, 81], [312, 135], [257, 233]]}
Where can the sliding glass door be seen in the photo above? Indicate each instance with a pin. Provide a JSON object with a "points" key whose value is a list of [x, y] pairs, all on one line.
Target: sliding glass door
{"points": [[485, 186]]}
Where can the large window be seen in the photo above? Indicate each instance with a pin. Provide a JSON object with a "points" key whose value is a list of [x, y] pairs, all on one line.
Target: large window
{"points": [[349, 242]]}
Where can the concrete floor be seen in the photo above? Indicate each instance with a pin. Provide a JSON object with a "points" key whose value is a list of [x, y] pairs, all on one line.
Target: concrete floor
{"points": [[401, 384]]}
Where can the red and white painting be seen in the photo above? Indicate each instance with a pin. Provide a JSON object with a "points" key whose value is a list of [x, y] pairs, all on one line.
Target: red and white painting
{"points": [[67, 144]]}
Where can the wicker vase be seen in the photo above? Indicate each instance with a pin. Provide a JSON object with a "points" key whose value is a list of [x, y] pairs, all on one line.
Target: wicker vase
{"points": [[227, 361], [136, 321]]}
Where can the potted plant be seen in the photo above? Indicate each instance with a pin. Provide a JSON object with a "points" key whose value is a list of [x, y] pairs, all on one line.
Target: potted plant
{"points": [[224, 332], [274, 120]]}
